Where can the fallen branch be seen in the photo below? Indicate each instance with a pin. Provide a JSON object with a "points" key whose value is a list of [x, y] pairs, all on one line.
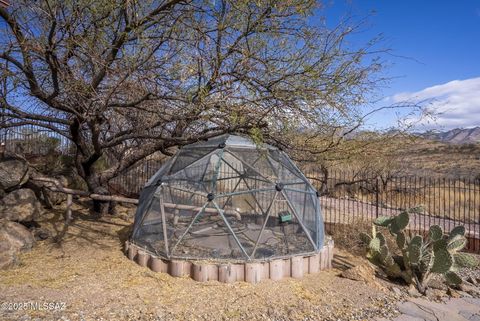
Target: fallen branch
{"points": [[58, 187]]}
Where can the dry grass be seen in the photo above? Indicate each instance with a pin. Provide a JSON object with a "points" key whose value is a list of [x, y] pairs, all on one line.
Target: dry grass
{"points": [[439, 159], [89, 272], [347, 236]]}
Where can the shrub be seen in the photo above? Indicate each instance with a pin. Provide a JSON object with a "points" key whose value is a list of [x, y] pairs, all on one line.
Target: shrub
{"points": [[416, 259]]}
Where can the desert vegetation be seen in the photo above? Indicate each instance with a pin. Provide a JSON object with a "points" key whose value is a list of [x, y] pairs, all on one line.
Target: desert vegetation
{"points": [[96, 95], [122, 81], [416, 259]]}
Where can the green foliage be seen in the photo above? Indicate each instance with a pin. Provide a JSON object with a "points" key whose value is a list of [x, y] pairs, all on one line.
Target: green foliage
{"points": [[452, 278], [442, 261], [256, 135], [365, 238], [401, 239], [435, 233], [420, 258], [465, 260], [383, 221], [457, 230], [456, 243]]}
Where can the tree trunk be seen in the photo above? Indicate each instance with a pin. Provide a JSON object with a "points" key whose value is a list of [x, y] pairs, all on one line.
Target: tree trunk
{"points": [[96, 185]]}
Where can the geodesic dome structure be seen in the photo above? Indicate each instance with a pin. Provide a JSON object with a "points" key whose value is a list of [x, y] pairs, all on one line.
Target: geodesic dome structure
{"points": [[228, 199]]}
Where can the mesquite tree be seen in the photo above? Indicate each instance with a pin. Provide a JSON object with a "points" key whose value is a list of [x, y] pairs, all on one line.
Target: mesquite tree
{"points": [[125, 79]]}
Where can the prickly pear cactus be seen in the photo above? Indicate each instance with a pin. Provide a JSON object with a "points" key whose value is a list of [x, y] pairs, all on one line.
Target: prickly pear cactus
{"points": [[420, 258]]}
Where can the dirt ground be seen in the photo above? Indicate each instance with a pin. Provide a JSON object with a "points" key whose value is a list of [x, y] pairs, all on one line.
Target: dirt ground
{"points": [[84, 275]]}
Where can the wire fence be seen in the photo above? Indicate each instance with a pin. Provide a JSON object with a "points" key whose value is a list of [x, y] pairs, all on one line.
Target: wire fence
{"points": [[31, 140], [346, 196]]}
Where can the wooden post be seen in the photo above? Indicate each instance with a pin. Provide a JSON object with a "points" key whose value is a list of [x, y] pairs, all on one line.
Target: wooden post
{"points": [[297, 267], [227, 273], [330, 252], [68, 214], [132, 252], [142, 258], [266, 270], [253, 272], [305, 265], [213, 272], [204, 272], [323, 258], [287, 268], [240, 271], [314, 263], [276, 269], [158, 265], [180, 268]]}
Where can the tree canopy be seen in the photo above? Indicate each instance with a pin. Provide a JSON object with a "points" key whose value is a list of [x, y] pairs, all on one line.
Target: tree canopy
{"points": [[129, 78]]}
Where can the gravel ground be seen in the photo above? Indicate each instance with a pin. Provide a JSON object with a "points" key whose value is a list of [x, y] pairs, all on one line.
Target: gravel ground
{"points": [[84, 275], [88, 272]]}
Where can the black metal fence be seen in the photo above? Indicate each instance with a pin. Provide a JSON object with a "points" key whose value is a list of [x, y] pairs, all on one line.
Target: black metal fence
{"points": [[346, 197], [33, 140]]}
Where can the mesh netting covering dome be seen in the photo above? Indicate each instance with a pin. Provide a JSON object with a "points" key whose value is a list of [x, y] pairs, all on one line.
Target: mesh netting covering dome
{"points": [[228, 199]]}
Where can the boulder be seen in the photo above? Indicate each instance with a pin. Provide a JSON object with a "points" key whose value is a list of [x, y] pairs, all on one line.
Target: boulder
{"points": [[14, 238], [17, 235], [363, 272], [54, 198], [40, 234], [20, 205], [45, 195], [13, 172], [8, 257]]}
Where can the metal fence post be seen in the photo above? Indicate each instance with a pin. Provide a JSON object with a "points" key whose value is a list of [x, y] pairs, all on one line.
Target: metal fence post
{"points": [[377, 191]]}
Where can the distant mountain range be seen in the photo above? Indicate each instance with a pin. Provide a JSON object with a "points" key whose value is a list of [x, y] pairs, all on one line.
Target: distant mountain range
{"points": [[455, 136]]}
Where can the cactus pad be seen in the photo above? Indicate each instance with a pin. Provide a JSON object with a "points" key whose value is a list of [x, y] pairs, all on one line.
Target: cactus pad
{"points": [[442, 261], [381, 238], [414, 253], [374, 245], [401, 240], [457, 230], [456, 243], [466, 260], [365, 238], [435, 233], [384, 253], [417, 240], [401, 220], [453, 278], [418, 257], [383, 221], [440, 244]]}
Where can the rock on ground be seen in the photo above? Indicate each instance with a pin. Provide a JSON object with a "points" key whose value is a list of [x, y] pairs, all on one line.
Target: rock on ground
{"points": [[43, 192], [13, 172], [457, 309], [14, 238], [20, 205], [362, 272]]}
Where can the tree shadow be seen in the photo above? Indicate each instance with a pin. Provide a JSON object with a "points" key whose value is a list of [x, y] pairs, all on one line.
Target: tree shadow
{"points": [[86, 227], [342, 262]]}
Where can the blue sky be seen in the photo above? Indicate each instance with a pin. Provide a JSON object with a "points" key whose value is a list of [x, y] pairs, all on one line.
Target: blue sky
{"points": [[439, 47]]}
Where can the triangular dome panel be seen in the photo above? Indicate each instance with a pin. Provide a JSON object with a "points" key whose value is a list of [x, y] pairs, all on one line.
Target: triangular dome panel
{"points": [[229, 199]]}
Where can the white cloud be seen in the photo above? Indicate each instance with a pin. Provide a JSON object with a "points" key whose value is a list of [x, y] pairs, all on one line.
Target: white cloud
{"points": [[455, 103]]}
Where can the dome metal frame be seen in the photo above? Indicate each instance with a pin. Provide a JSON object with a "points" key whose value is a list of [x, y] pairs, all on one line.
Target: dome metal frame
{"points": [[227, 199]]}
